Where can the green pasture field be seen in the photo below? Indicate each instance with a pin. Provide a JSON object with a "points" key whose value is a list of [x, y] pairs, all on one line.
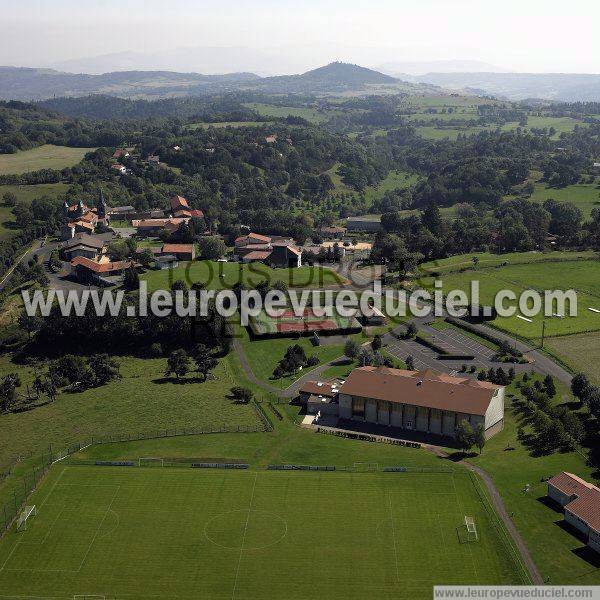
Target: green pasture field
{"points": [[138, 533], [139, 403], [487, 259], [586, 196], [216, 275], [440, 133], [310, 114], [395, 180], [223, 124], [580, 352], [561, 124], [582, 276], [42, 157]]}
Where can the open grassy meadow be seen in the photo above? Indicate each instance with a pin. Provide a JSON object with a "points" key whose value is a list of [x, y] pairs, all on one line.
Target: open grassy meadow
{"points": [[143, 401], [581, 275], [586, 196], [42, 157], [180, 532], [221, 275], [580, 352]]}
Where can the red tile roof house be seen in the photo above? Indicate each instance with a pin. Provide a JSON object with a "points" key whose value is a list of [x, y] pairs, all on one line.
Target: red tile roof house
{"points": [[155, 226], [181, 251], [581, 503], [422, 401], [90, 271]]}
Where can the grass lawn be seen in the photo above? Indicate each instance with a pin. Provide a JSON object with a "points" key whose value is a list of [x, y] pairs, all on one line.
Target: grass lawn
{"points": [[42, 157], [487, 259], [581, 352], [141, 402], [582, 276], [195, 534], [263, 355], [557, 553], [218, 276]]}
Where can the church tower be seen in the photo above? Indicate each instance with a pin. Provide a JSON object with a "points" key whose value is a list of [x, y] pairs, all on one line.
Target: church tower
{"points": [[101, 205]]}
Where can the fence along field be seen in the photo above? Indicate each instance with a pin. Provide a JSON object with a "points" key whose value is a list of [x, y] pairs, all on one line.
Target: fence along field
{"points": [[135, 532]]}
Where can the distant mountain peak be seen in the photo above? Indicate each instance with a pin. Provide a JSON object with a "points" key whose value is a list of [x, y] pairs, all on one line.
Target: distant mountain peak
{"points": [[340, 72]]}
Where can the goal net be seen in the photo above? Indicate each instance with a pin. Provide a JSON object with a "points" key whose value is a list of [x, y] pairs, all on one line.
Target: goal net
{"points": [[150, 461], [28, 511], [366, 466], [471, 529]]}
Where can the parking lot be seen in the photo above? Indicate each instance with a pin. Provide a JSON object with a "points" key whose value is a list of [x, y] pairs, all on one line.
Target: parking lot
{"points": [[456, 342]]}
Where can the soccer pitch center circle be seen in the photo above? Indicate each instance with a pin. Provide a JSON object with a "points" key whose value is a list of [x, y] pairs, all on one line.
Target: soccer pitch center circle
{"points": [[243, 529]]}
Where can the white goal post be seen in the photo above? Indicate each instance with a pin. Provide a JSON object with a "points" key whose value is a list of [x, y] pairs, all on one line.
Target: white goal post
{"points": [[150, 461], [471, 529], [28, 511]]}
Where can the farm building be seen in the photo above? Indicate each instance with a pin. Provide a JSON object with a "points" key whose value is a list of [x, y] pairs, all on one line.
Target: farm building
{"points": [[165, 261], [155, 226], [363, 224], [100, 273], [275, 251], [581, 503], [180, 251], [84, 245], [422, 401]]}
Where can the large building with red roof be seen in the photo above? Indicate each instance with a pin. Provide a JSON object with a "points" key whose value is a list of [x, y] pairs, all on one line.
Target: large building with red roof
{"points": [[581, 503], [424, 401], [275, 251]]}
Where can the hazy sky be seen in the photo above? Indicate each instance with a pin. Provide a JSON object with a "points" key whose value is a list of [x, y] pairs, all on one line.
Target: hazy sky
{"points": [[521, 35]]}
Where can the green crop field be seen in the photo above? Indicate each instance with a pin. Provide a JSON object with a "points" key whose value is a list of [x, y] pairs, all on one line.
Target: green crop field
{"points": [[216, 275], [42, 157], [582, 276], [581, 352], [138, 533]]}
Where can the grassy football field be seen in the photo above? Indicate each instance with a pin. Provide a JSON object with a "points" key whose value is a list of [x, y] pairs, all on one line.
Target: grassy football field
{"points": [[133, 533]]}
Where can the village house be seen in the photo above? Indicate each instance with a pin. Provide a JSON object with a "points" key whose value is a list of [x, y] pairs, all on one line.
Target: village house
{"points": [[98, 273], [84, 245], [581, 503], [179, 251], [152, 227], [423, 401], [275, 251]]}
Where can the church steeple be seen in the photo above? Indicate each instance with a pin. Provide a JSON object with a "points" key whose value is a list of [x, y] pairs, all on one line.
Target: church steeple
{"points": [[101, 205]]}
